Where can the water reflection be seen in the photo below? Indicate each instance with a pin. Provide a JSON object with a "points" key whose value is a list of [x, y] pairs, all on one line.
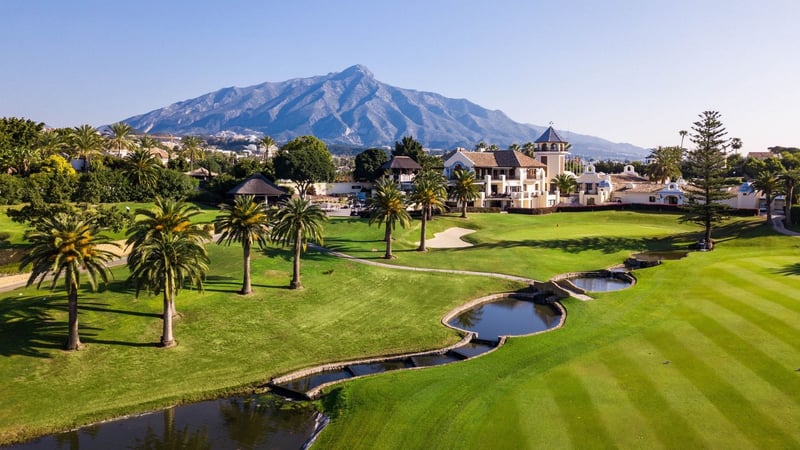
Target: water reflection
{"points": [[510, 316], [257, 422], [600, 284]]}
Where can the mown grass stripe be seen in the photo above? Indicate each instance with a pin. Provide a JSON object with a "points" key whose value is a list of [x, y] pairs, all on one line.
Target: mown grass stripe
{"points": [[757, 427], [771, 371], [769, 323], [578, 412], [645, 396], [766, 288]]}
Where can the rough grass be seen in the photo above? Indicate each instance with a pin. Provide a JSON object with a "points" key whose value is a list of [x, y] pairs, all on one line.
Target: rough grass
{"points": [[227, 342], [702, 352]]}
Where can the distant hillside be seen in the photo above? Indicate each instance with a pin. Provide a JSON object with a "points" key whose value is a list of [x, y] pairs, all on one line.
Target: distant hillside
{"points": [[353, 108]]}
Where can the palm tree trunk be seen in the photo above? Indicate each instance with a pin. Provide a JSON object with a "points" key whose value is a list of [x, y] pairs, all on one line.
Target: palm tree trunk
{"points": [[296, 272], [246, 287], [787, 214], [388, 238], [73, 340], [167, 340], [421, 247], [464, 208], [769, 208]]}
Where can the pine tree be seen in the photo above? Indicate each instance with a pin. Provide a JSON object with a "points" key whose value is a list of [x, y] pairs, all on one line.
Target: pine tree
{"points": [[708, 164]]}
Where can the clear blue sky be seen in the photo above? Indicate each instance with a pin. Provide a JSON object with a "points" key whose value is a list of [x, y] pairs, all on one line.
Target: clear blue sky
{"points": [[633, 71]]}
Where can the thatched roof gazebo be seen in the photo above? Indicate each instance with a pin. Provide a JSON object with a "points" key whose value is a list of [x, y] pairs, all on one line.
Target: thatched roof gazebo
{"points": [[259, 186]]}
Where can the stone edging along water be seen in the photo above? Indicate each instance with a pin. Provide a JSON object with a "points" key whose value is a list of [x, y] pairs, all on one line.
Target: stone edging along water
{"points": [[565, 278], [468, 337], [552, 284]]}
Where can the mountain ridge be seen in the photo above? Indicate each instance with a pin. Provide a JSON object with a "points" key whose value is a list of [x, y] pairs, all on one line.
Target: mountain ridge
{"points": [[352, 107]]}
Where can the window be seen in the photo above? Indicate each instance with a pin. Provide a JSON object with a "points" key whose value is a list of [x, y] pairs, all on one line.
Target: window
{"points": [[652, 199]]}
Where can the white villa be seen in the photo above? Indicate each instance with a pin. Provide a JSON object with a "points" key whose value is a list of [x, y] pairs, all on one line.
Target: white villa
{"points": [[510, 179]]}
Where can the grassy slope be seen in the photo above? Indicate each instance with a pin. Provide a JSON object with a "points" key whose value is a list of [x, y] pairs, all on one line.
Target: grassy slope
{"points": [[702, 352], [532, 246], [226, 341]]}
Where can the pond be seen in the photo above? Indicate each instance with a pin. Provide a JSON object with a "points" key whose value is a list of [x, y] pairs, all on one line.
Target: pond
{"points": [[510, 316], [256, 422], [663, 255], [599, 284]]}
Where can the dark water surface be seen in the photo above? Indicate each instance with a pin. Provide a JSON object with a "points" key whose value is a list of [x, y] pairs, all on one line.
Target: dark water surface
{"points": [[510, 316], [257, 422], [603, 284]]}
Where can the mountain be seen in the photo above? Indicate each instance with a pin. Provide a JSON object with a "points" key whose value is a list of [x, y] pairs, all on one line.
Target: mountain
{"points": [[353, 108]]}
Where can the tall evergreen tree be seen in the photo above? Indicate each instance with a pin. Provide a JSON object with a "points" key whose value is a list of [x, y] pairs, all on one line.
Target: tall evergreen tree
{"points": [[708, 164]]}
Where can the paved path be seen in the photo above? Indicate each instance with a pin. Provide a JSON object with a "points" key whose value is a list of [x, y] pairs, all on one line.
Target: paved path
{"points": [[777, 224]]}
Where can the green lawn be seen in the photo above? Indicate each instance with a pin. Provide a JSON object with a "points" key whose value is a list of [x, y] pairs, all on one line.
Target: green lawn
{"points": [[702, 352], [227, 342], [532, 246]]}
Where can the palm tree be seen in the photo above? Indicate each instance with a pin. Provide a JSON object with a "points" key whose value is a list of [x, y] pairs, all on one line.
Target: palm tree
{"points": [[167, 216], [267, 142], [790, 179], [514, 147], [247, 222], [666, 164], [430, 192], [191, 149], [565, 183], [68, 244], [683, 134], [85, 141], [147, 142], [529, 148], [164, 263], [120, 137], [464, 188], [296, 221], [50, 143], [736, 144], [389, 208], [769, 183], [142, 169]]}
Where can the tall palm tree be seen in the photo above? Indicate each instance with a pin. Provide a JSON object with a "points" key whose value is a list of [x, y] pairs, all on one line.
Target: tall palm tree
{"points": [[247, 222], [296, 222], [529, 148], [85, 141], [666, 164], [50, 143], [120, 137], [267, 142], [565, 183], [430, 192], [166, 216], [464, 188], [736, 144], [769, 183], [191, 149], [683, 134], [142, 170], [66, 244], [388, 207], [164, 263], [147, 142], [790, 179]]}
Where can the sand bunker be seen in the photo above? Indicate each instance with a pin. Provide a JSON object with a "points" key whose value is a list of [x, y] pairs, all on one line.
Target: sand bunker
{"points": [[449, 238]]}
